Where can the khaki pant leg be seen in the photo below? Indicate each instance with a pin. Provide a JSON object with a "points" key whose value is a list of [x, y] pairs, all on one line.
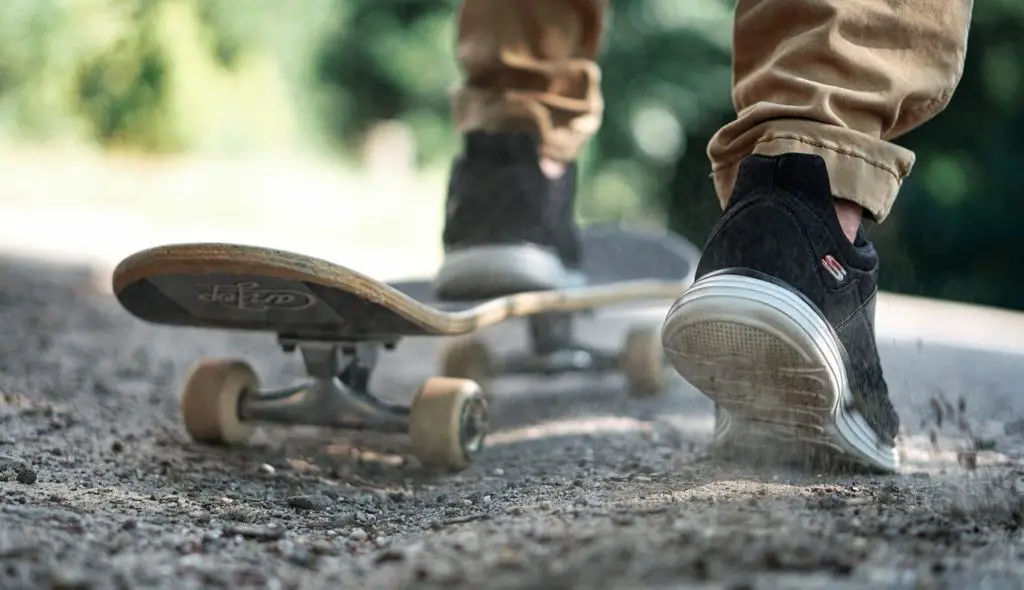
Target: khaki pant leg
{"points": [[530, 66], [840, 78]]}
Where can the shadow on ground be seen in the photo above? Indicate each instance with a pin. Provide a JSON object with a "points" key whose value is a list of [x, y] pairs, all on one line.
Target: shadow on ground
{"points": [[581, 487]]}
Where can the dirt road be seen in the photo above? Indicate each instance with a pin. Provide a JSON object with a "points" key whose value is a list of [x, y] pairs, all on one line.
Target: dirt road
{"points": [[580, 488]]}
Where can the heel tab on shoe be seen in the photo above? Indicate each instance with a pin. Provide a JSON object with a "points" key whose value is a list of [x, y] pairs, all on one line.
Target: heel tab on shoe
{"points": [[805, 175], [755, 171]]}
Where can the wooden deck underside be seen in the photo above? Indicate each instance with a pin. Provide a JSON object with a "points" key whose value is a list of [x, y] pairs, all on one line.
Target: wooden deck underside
{"points": [[252, 288]]}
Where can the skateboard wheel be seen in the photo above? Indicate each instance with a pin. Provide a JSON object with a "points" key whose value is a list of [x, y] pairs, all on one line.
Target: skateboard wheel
{"points": [[210, 401], [448, 422], [468, 357], [641, 361]]}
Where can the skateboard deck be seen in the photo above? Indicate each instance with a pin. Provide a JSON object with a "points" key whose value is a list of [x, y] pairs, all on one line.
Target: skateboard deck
{"points": [[302, 298]]}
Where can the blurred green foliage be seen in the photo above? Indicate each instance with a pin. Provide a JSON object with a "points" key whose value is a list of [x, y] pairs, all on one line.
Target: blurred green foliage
{"points": [[175, 75], [956, 231], [161, 75]]}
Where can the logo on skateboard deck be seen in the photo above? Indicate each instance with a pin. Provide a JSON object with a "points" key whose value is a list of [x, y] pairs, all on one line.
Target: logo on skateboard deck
{"points": [[249, 296]]}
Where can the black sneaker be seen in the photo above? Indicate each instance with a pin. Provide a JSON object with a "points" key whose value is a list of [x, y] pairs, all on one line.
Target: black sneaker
{"points": [[508, 227], [778, 329]]}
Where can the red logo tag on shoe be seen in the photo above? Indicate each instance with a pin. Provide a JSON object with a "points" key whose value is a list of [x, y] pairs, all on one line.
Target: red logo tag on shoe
{"points": [[833, 267]]}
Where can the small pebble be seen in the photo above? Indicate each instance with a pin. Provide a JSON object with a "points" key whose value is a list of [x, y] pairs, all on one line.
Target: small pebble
{"points": [[324, 548], [301, 556], [508, 558], [267, 469], [270, 533], [26, 476], [310, 502], [832, 502], [967, 459], [390, 555], [357, 534]]}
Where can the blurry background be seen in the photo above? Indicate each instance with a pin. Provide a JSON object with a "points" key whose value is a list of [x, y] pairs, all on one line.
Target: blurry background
{"points": [[322, 126]]}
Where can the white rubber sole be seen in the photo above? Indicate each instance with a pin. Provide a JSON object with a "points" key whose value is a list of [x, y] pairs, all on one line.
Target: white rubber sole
{"points": [[486, 271], [774, 366]]}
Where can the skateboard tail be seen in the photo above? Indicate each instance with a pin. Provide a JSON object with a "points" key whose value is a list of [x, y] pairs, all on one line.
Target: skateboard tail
{"points": [[249, 288]]}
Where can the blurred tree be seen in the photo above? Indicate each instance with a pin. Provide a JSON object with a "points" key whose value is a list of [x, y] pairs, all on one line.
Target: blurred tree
{"points": [[392, 59], [667, 77], [160, 75]]}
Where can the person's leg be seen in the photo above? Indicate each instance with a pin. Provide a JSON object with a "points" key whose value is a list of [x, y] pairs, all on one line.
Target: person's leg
{"points": [[778, 329], [530, 101]]}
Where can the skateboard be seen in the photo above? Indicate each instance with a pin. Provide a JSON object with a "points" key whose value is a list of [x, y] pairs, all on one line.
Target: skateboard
{"points": [[340, 320]]}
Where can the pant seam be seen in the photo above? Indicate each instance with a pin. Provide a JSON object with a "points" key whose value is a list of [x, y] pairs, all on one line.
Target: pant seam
{"points": [[894, 173]]}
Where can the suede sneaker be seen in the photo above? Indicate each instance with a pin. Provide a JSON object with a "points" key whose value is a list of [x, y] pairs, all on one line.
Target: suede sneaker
{"points": [[508, 227], [778, 328]]}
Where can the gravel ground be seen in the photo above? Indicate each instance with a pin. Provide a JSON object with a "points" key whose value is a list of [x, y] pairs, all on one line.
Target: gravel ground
{"points": [[579, 488]]}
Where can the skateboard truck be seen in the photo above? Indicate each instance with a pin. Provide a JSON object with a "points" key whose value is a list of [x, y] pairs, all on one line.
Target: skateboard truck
{"points": [[334, 396], [446, 422], [554, 349]]}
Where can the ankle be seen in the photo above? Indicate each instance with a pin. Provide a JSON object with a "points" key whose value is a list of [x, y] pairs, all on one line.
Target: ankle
{"points": [[850, 215]]}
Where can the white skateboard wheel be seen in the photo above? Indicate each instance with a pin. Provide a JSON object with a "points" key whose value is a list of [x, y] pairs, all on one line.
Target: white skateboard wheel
{"points": [[210, 401], [448, 422], [468, 357], [642, 361]]}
